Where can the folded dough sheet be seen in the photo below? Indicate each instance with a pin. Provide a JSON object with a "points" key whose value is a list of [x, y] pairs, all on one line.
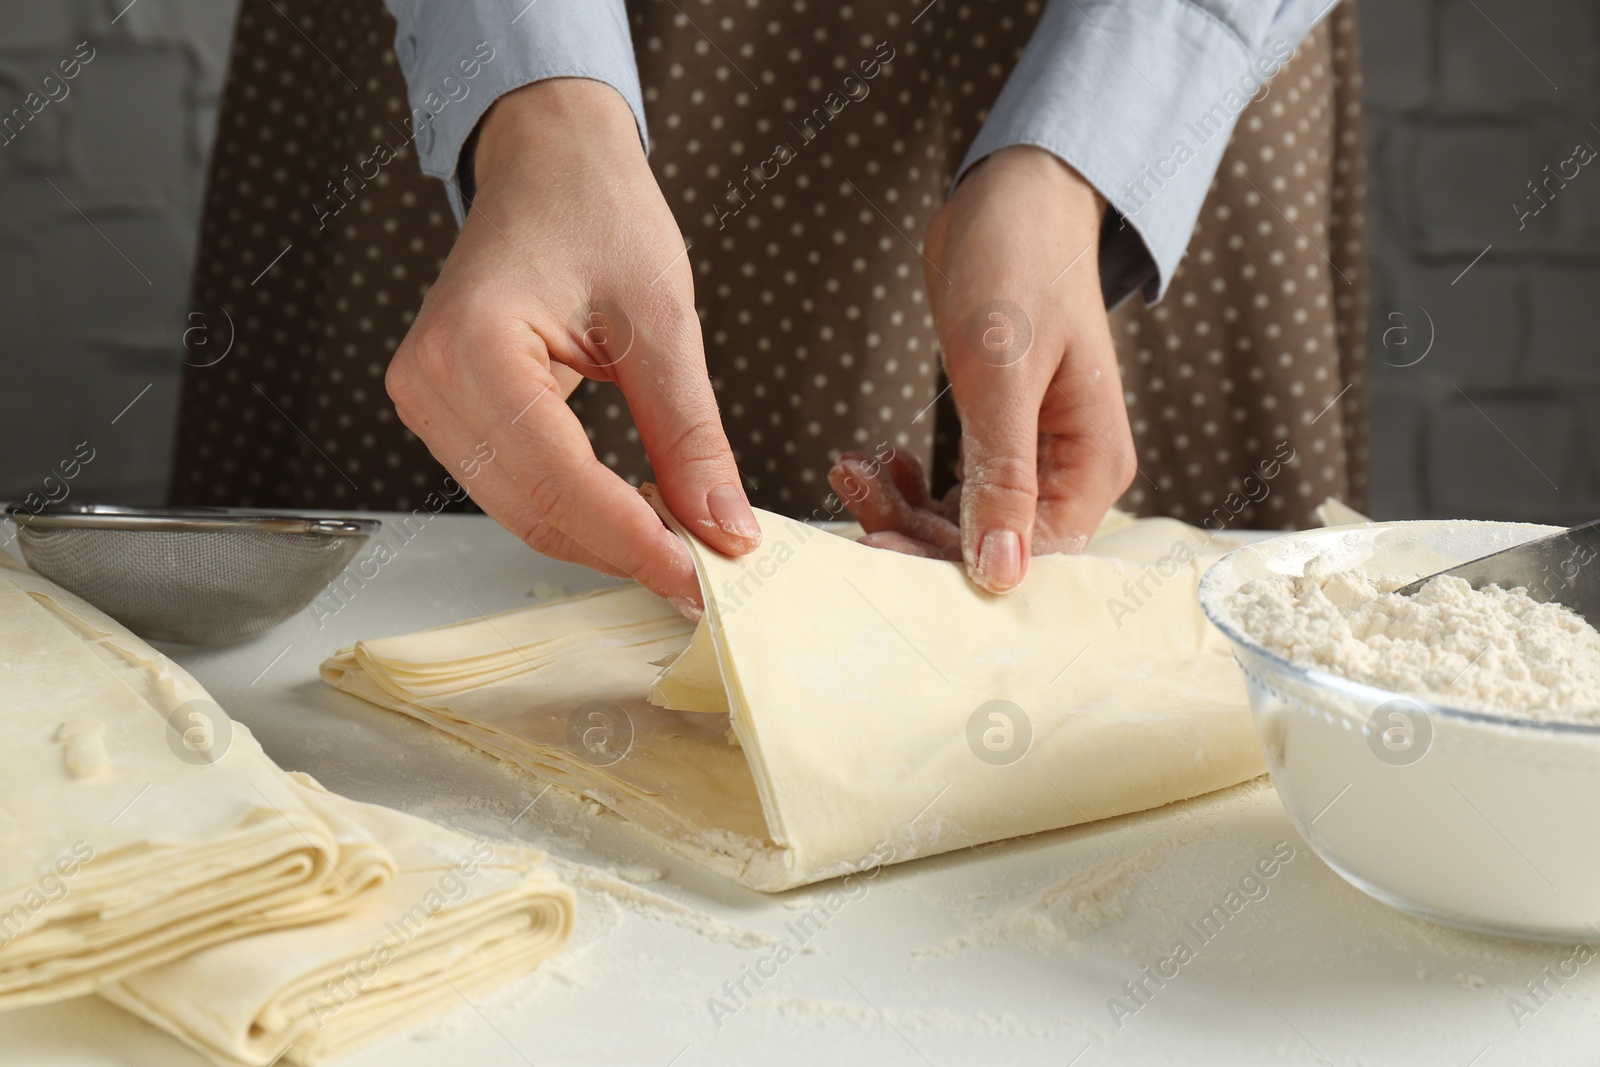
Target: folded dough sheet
{"points": [[881, 706], [462, 917], [245, 910], [115, 854]]}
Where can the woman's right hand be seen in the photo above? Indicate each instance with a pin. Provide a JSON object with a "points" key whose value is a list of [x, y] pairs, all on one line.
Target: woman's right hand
{"points": [[570, 265]]}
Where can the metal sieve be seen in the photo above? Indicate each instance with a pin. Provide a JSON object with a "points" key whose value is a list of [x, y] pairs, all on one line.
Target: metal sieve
{"points": [[197, 576]]}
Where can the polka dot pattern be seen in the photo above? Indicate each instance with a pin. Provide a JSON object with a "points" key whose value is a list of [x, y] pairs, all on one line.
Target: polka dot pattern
{"points": [[808, 279], [296, 415], [1258, 351], [804, 169]]}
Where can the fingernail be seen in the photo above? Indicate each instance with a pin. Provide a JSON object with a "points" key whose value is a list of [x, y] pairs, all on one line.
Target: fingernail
{"points": [[1000, 561], [727, 505], [687, 608]]}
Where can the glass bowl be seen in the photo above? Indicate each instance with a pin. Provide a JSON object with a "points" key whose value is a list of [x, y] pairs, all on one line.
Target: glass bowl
{"points": [[1476, 821]]}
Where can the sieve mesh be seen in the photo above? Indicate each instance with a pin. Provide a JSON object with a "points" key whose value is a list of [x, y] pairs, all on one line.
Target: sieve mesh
{"points": [[194, 587]]}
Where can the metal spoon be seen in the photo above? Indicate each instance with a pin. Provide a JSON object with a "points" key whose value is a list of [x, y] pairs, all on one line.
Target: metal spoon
{"points": [[1553, 569]]}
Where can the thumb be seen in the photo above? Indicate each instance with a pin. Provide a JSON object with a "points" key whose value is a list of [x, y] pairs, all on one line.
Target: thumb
{"points": [[997, 386]]}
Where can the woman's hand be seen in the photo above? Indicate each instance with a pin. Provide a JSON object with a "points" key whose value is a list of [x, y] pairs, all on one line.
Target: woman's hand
{"points": [[569, 266], [1013, 280]]}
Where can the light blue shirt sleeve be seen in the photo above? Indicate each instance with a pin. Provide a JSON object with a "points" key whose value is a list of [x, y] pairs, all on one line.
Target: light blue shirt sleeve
{"points": [[459, 56], [1140, 97]]}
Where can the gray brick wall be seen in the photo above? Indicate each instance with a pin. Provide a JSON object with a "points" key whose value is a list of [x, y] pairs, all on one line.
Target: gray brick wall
{"points": [[99, 207], [1467, 100]]}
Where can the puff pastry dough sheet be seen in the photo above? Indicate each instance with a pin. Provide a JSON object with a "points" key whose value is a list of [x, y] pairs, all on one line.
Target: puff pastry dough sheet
{"points": [[852, 679], [115, 854], [462, 917], [532, 686], [245, 910]]}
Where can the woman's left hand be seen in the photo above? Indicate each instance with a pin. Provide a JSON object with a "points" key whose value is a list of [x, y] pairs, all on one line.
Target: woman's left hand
{"points": [[1013, 280]]}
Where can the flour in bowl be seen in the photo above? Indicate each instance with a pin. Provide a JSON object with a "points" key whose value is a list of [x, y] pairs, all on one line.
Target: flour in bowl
{"points": [[1491, 649]]}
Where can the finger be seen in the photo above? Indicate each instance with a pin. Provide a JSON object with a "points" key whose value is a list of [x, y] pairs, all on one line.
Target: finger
{"points": [[670, 397], [495, 488], [997, 377], [877, 504], [950, 506], [910, 546], [516, 514], [903, 469], [908, 476], [1074, 492], [491, 484], [1086, 455], [507, 393], [577, 495], [567, 379]]}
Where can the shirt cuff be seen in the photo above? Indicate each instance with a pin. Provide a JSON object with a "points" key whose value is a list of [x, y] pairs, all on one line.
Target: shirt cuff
{"points": [[459, 56], [1140, 97]]}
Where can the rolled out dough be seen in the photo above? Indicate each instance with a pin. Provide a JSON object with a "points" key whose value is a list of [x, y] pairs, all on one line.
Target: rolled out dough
{"points": [[862, 686]]}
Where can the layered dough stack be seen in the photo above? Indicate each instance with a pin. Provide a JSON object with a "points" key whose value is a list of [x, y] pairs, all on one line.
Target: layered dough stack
{"points": [[246, 910], [840, 706]]}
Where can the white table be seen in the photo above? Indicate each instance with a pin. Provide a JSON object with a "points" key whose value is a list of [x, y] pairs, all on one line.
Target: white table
{"points": [[1313, 972]]}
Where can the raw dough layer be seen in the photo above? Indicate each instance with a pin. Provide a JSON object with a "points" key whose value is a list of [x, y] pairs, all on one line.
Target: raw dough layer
{"points": [[116, 855], [463, 917], [527, 686], [861, 686], [245, 910]]}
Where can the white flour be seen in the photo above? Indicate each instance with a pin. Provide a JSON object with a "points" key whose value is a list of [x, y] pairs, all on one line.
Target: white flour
{"points": [[1491, 649], [917, 1020], [1057, 917], [658, 908]]}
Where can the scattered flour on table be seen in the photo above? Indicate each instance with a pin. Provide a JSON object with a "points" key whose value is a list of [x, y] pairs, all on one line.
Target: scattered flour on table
{"points": [[659, 908], [918, 1020], [602, 898], [1490, 649], [1057, 917], [1060, 916]]}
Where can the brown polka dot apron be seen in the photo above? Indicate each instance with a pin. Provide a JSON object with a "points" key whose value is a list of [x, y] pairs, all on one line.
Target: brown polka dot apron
{"points": [[320, 237], [1246, 385]]}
